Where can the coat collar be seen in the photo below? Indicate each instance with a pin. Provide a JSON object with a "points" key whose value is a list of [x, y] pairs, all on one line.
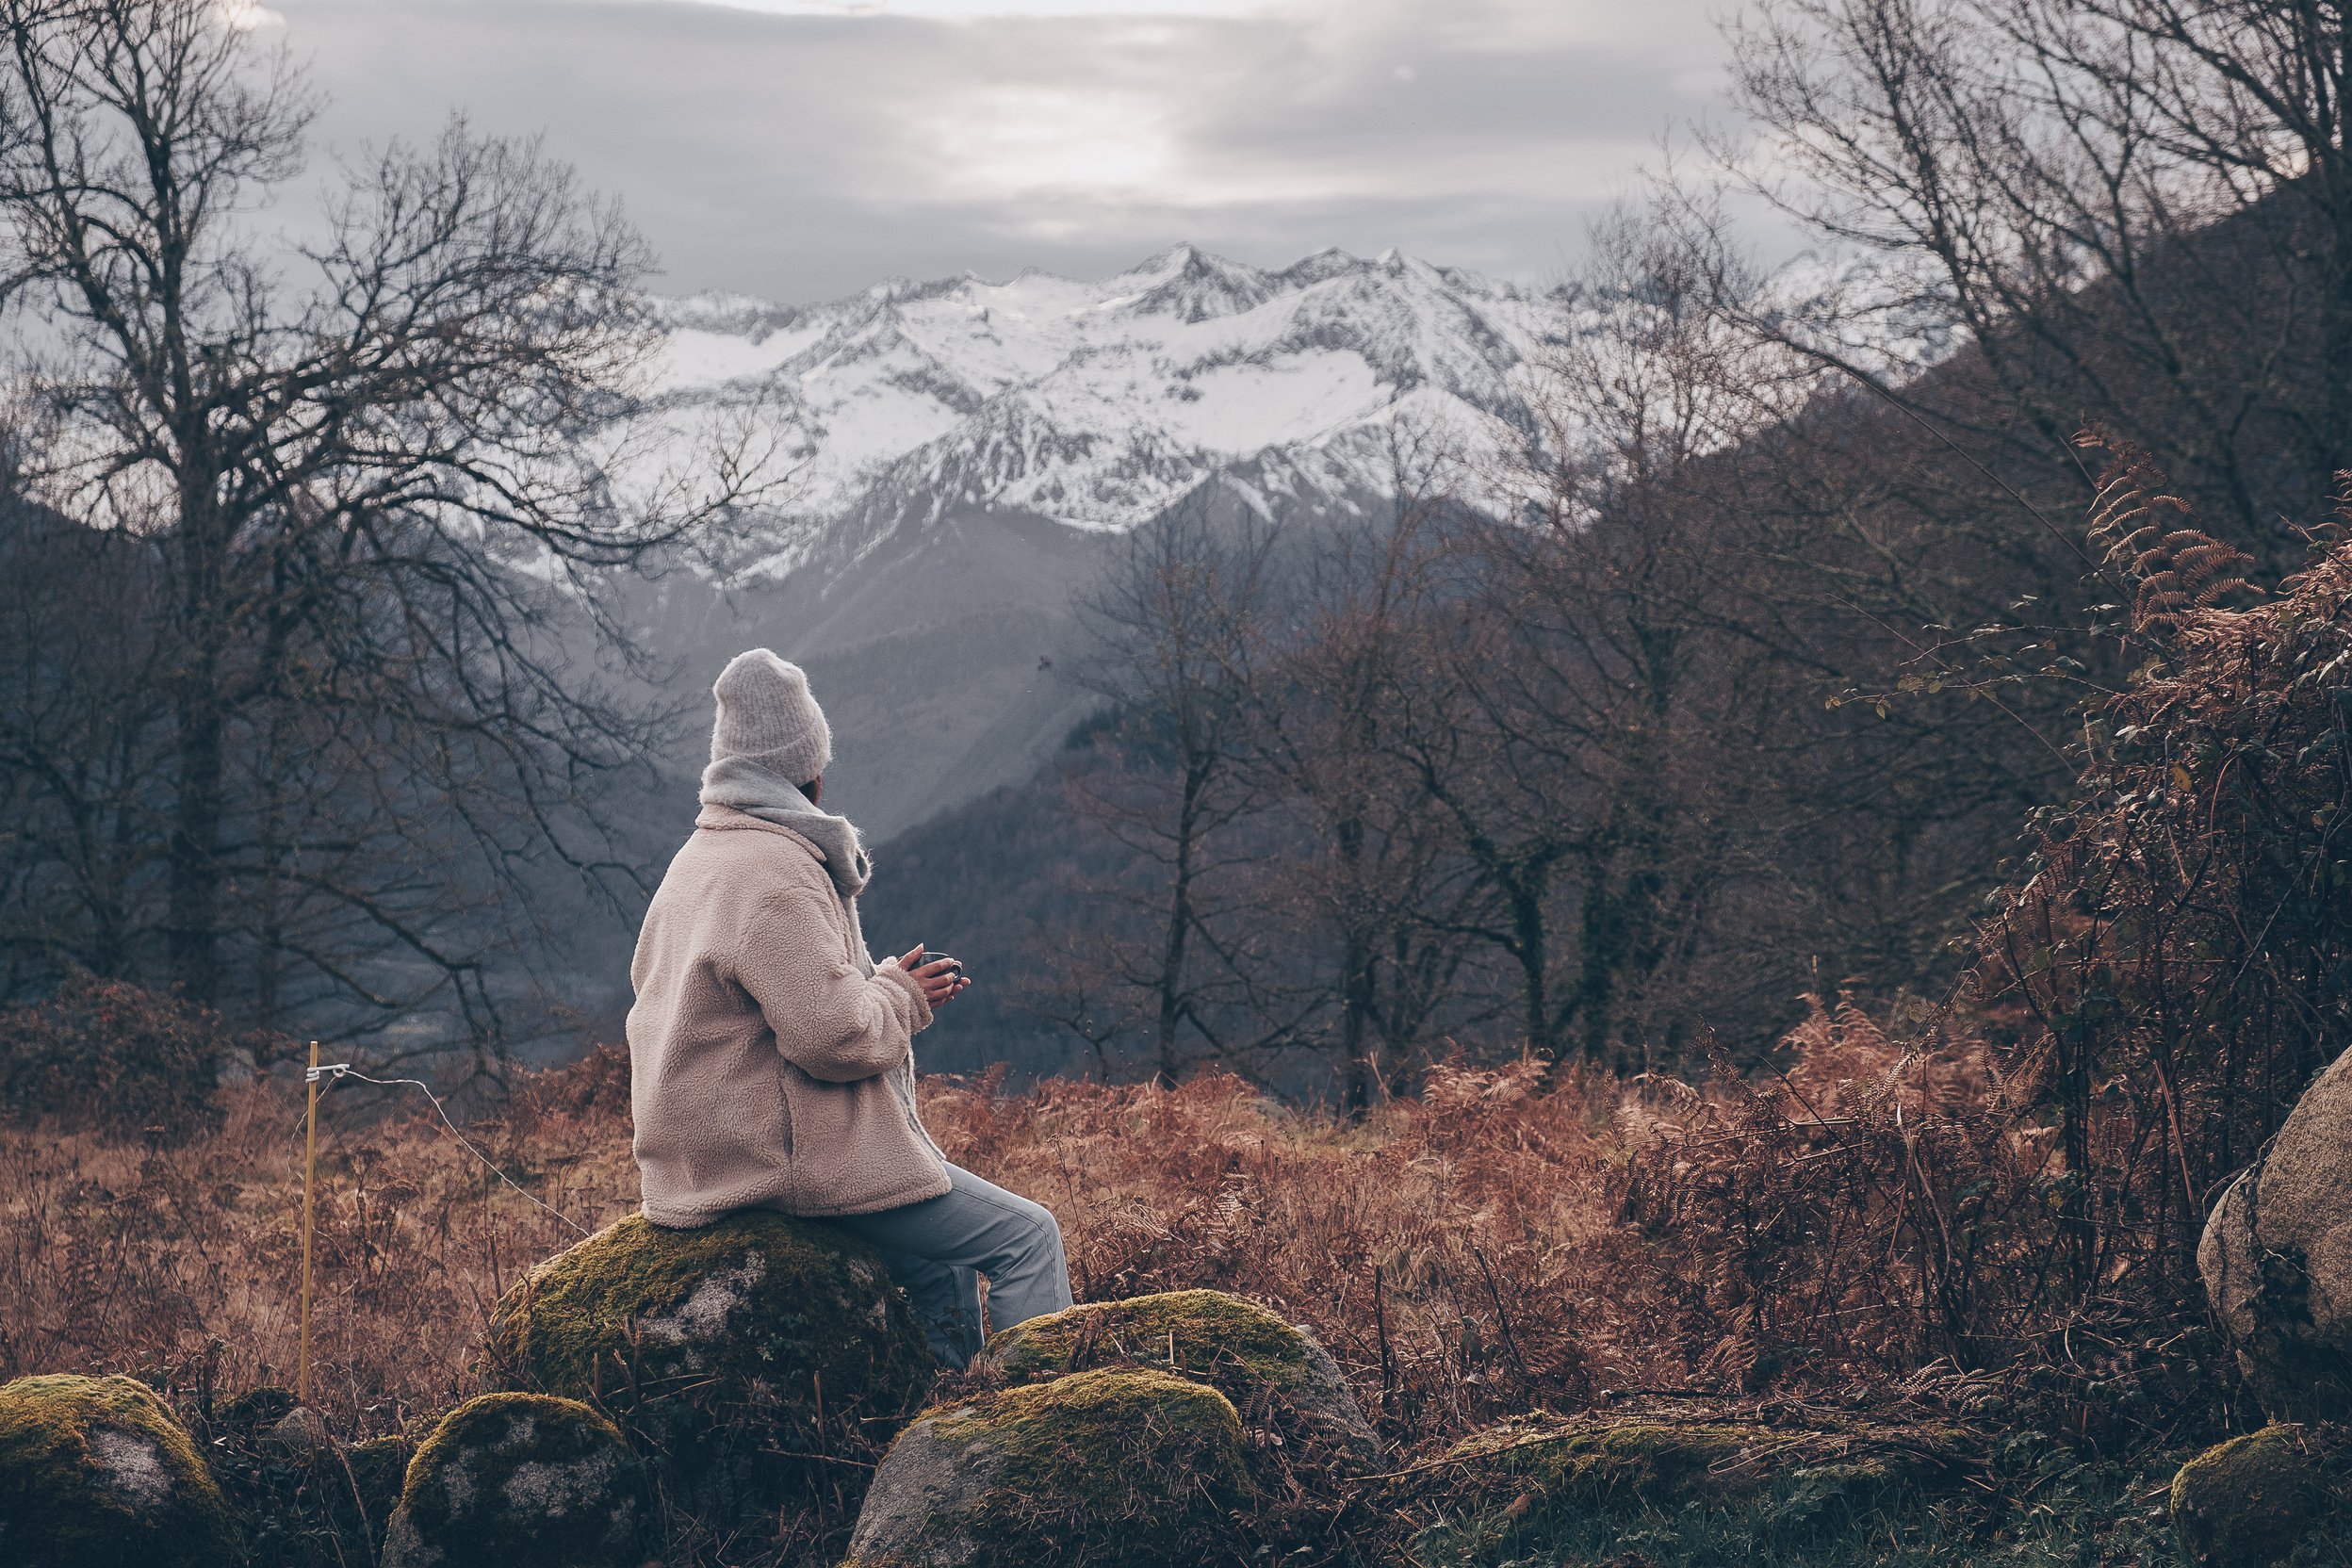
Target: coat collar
{"points": [[726, 819]]}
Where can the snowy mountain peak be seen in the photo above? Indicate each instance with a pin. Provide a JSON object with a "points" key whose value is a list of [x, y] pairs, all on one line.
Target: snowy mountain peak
{"points": [[1328, 262], [1097, 404], [1192, 285]]}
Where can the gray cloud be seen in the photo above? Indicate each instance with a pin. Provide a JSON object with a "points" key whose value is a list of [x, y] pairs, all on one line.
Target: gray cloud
{"points": [[802, 156]]}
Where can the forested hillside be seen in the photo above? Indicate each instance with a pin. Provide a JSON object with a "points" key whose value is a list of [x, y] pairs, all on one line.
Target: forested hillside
{"points": [[1793, 620]]}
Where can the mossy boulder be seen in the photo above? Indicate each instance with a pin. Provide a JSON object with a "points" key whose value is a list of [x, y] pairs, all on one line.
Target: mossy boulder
{"points": [[720, 1350], [254, 1408], [1102, 1469], [1518, 1481], [520, 1481], [95, 1473], [2277, 1259], [1289, 1391], [378, 1470], [2251, 1500], [305, 1430]]}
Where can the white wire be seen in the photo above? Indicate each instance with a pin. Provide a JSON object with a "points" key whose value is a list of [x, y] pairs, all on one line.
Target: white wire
{"points": [[333, 1071]]}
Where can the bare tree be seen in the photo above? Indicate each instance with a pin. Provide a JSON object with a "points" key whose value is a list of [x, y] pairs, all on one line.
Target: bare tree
{"points": [[84, 729], [1770, 638], [1375, 892], [369, 484], [1566, 762], [1712, 541], [2136, 213], [1283, 902], [1174, 626]]}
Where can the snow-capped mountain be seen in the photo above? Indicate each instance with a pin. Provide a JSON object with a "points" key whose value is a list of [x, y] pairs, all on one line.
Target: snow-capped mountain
{"points": [[964, 454], [1097, 404]]}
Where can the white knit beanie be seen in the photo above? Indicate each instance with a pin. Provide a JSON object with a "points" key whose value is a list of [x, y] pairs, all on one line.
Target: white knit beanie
{"points": [[767, 717]]}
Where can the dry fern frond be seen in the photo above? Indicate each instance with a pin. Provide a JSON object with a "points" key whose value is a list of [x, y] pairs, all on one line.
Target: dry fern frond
{"points": [[2175, 569]]}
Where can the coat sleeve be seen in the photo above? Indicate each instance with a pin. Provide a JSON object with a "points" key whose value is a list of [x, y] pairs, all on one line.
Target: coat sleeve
{"points": [[830, 1022]]}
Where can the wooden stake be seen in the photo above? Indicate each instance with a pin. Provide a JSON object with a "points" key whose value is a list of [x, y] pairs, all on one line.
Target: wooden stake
{"points": [[310, 1171]]}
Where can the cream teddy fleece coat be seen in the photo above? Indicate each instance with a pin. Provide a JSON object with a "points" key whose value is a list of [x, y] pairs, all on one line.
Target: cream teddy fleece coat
{"points": [[767, 1069]]}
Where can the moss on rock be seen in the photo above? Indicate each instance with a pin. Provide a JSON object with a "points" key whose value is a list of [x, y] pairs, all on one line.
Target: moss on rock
{"points": [[1517, 1481], [1594, 1462], [1278, 1378], [1100, 1469], [2251, 1500], [95, 1473], [719, 1348], [519, 1481]]}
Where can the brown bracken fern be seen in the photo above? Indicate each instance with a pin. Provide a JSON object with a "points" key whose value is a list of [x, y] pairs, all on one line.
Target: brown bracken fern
{"points": [[2174, 568]]}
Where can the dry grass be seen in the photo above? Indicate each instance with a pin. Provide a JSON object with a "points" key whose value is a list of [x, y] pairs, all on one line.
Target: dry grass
{"points": [[1458, 1253], [1482, 1250], [182, 1264]]}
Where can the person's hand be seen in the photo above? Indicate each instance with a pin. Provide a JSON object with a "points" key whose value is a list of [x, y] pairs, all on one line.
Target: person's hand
{"points": [[941, 981]]}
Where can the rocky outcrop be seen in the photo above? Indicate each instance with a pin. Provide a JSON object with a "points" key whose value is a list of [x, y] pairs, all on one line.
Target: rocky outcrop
{"points": [[1288, 1391], [1520, 1481], [520, 1481], [720, 1350], [95, 1473], [2276, 1258], [1100, 1469], [2250, 1502]]}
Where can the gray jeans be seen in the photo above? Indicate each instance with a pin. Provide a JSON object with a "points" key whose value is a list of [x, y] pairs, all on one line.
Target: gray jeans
{"points": [[938, 1249]]}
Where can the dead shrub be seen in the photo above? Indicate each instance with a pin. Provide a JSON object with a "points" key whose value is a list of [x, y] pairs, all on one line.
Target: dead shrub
{"points": [[1865, 1208], [105, 1055]]}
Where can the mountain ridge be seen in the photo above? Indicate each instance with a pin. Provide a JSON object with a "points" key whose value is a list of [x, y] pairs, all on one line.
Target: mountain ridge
{"points": [[1097, 405]]}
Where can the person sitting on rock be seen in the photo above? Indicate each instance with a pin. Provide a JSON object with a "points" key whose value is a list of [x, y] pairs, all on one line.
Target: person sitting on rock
{"points": [[772, 1059]]}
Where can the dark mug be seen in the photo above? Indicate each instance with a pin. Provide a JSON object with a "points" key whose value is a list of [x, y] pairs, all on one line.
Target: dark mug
{"points": [[955, 964]]}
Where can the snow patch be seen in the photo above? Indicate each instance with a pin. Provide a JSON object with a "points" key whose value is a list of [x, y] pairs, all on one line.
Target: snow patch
{"points": [[1092, 403], [1245, 408], [695, 356]]}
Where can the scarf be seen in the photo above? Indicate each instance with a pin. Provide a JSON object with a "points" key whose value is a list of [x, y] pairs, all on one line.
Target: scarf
{"points": [[751, 789]]}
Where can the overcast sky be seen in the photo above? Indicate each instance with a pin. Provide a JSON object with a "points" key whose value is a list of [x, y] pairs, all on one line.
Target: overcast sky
{"points": [[801, 150]]}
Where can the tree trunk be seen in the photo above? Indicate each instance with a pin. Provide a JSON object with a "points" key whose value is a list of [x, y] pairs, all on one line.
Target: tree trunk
{"points": [[1531, 947], [195, 908], [2336, 453], [201, 722], [1172, 955], [1355, 985]]}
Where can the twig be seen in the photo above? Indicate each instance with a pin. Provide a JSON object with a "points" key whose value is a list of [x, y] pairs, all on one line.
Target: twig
{"points": [[1502, 1316]]}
